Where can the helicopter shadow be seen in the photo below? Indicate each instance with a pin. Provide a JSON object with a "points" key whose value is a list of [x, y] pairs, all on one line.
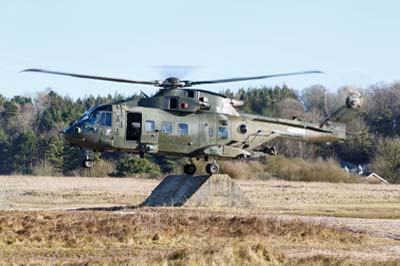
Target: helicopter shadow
{"points": [[110, 209]]}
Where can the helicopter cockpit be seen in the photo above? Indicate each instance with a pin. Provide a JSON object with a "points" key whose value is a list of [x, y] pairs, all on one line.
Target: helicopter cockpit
{"points": [[85, 130], [96, 116]]}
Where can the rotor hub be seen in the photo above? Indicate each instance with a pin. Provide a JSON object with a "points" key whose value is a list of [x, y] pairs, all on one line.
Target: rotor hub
{"points": [[172, 83]]}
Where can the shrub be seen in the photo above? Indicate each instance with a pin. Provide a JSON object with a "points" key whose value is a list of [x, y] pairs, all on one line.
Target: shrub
{"points": [[235, 169], [135, 165], [168, 164], [45, 168], [244, 169], [101, 168], [300, 170], [387, 159], [292, 169]]}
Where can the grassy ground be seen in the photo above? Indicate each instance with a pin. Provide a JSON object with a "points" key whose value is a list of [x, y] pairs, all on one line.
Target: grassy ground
{"points": [[325, 199], [269, 233], [272, 197], [181, 237]]}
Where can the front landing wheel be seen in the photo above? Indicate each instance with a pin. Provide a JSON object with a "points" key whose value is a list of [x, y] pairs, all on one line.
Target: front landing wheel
{"points": [[212, 168], [88, 163], [189, 169]]}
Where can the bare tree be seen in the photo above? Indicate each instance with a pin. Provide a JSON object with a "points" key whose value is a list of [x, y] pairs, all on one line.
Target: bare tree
{"points": [[289, 108], [292, 108], [314, 98]]}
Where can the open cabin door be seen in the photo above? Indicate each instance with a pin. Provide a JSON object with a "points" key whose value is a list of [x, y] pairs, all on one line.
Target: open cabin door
{"points": [[133, 127]]}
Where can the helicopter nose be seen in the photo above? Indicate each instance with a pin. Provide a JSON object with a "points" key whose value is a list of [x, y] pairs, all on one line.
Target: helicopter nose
{"points": [[70, 132]]}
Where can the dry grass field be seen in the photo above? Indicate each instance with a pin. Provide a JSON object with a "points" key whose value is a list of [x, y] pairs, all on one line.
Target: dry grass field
{"points": [[290, 223]]}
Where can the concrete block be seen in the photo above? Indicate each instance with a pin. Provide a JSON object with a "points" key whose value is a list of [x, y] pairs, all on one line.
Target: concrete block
{"points": [[193, 191]]}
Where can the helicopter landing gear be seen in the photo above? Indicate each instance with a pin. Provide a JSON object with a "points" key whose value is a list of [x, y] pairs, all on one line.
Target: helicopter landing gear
{"points": [[212, 168], [88, 162], [189, 168]]}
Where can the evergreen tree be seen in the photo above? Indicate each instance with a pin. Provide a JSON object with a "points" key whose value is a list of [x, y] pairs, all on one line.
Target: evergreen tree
{"points": [[54, 152], [24, 147], [5, 148], [135, 165], [10, 111], [72, 157]]}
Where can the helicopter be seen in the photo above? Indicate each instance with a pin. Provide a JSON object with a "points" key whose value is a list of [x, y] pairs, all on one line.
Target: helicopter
{"points": [[187, 122]]}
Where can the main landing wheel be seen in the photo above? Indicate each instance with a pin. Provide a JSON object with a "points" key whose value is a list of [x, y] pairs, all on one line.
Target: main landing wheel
{"points": [[212, 168], [88, 163], [189, 169]]}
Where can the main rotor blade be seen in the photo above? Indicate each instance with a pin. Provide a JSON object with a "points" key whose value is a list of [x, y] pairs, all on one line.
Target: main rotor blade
{"points": [[91, 77], [256, 77]]}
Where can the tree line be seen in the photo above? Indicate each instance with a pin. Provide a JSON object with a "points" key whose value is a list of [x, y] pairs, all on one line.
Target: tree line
{"points": [[31, 143]]}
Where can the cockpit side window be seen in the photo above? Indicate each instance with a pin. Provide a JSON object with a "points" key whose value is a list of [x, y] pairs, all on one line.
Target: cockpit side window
{"points": [[101, 115], [93, 118], [108, 119], [105, 119], [102, 119]]}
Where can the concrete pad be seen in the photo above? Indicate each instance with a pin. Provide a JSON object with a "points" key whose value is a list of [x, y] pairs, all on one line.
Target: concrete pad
{"points": [[205, 191]]}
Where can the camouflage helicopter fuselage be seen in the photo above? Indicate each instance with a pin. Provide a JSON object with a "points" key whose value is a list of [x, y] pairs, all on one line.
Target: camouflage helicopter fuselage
{"points": [[196, 123]]}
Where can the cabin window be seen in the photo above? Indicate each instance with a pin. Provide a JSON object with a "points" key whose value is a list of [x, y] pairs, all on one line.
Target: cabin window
{"points": [[166, 127], [191, 94], [223, 132], [211, 132], [149, 126], [173, 103], [183, 129]]}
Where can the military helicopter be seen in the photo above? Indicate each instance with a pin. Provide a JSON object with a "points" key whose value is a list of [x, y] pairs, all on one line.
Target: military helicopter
{"points": [[194, 123]]}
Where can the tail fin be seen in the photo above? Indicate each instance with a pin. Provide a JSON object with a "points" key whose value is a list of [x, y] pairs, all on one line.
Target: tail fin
{"points": [[347, 112]]}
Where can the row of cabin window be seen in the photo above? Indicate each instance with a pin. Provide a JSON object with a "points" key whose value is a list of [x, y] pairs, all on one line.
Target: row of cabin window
{"points": [[166, 127], [183, 129]]}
